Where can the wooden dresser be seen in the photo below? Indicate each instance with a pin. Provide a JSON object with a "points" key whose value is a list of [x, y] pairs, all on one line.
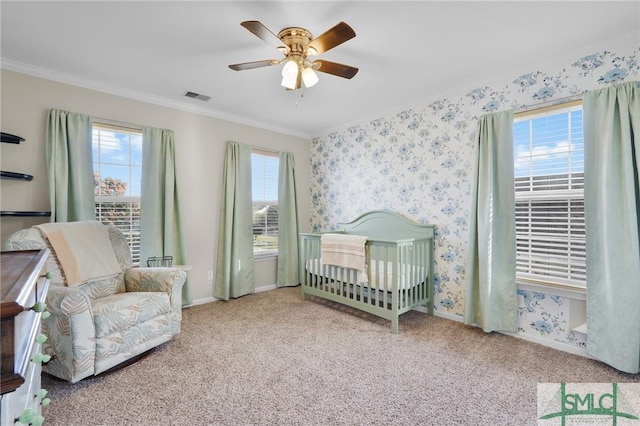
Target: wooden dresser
{"points": [[23, 284]]}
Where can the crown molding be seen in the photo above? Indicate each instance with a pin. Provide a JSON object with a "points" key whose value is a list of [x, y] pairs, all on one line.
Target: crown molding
{"points": [[74, 80]]}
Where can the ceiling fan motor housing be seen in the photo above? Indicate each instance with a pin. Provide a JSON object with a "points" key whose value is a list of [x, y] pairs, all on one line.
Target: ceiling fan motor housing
{"points": [[296, 39]]}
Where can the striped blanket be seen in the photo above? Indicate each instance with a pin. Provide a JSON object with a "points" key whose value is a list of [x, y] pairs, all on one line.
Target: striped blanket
{"points": [[346, 251]]}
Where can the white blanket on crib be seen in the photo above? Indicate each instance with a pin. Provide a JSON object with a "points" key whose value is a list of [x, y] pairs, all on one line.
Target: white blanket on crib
{"points": [[346, 251]]}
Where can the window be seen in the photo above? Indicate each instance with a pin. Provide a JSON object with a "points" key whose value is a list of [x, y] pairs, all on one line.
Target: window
{"points": [[264, 176], [549, 185], [117, 168]]}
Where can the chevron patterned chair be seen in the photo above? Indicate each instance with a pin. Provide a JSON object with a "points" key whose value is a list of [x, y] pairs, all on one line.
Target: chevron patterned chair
{"points": [[101, 324]]}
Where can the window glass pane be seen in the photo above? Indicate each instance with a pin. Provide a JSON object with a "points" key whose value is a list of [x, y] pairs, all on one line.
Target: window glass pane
{"points": [[135, 182], [264, 169], [549, 176], [117, 161], [114, 180], [136, 150], [114, 148], [95, 146]]}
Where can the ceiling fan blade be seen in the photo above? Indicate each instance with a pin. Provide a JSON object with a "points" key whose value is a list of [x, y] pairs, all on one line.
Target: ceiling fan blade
{"points": [[334, 68], [257, 28], [255, 64], [332, 38]]}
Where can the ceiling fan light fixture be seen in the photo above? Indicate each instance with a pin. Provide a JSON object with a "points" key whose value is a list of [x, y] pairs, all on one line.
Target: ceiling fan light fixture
{"points": [[309, 77], [289, 82], [290, 69], [311, 51]]}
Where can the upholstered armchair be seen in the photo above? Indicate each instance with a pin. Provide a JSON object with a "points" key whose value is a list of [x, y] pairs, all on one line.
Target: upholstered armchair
{"points": [[99, 323]]}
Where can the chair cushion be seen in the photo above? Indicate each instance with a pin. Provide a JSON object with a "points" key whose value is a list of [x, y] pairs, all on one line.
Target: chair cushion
{"points": [[122, 311], [104, 287]]}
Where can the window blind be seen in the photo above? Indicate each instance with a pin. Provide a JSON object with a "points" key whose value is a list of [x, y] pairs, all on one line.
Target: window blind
{"points": [[117, 172], [123, 213], [264, 176], [549, 188]]}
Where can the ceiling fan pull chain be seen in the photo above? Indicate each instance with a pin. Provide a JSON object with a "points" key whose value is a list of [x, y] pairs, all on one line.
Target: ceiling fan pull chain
{"points": [[295, 102]]}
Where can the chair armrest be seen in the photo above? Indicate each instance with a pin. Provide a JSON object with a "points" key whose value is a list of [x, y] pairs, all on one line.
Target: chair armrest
{"points": [[168, 280], [71, 334], [68, 301]]}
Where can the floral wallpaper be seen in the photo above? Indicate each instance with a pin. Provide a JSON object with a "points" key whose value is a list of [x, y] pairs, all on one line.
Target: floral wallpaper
{"points": [[418, 162]]}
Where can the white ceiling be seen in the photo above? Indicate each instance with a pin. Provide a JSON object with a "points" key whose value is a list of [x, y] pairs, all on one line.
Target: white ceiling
{"points": [[406, 51]]}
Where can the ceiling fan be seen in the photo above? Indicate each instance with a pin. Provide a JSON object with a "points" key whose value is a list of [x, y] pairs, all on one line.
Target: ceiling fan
{"points": [[297, 44]]}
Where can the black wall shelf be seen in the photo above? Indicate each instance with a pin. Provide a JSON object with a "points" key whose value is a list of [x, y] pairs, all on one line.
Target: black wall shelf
{"points": [[15, 176], [16, 213], [9, 138]]}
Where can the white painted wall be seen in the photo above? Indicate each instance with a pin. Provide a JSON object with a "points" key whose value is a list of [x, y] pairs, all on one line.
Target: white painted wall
{"points": [[199, 142]]}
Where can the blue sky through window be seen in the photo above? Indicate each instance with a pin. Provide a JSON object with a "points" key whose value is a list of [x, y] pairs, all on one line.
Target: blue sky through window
{"points": [[549, 145], [118, 155]]}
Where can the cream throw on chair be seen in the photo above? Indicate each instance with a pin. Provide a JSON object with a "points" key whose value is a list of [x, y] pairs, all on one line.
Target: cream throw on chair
{"points": [[83, 249]]}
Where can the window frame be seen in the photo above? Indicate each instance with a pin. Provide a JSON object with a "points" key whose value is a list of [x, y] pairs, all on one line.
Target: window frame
{"points": [[131, 228], [570, 195], [272, 253]]}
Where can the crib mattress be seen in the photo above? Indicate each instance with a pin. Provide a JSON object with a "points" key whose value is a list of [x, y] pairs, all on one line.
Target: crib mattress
{"points": [[408, 275]]}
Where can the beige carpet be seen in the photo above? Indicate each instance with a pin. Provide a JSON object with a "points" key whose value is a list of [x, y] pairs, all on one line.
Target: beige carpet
{"points": [[273, 359]]}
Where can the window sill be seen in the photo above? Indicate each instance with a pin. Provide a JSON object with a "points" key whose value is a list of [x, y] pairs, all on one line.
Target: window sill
{"points": [[582, 328], [577, 293]]}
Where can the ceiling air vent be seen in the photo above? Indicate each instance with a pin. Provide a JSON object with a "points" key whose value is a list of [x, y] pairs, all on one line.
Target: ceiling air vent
{"points": [[198, 96]]}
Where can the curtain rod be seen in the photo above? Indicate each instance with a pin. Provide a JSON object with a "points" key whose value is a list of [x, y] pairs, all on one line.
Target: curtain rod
{"points": [[553, 102], [266, 150], [117, 123]]}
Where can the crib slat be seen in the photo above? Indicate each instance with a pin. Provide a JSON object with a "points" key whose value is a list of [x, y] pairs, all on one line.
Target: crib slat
{"points": [[406, 276], [422, 269], [396, 268], [411, 265], [375, 273], [416, 270], [393, 257]]}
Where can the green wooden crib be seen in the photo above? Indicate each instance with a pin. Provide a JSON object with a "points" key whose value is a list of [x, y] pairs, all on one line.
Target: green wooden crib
{"points": [[399, 267]]}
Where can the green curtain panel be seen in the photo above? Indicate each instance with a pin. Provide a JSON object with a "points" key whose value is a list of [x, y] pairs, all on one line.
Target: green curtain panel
{"points": [[234, 274], [287, 274], [160, 219], [612, 211], [491, 300], [69, 162]]}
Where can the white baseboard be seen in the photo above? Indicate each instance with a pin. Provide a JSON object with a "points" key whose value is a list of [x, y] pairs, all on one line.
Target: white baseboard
{"points": [[202, 301], [206, 300], [565, 347], [448, 316], [265, 288], [440, 314]]}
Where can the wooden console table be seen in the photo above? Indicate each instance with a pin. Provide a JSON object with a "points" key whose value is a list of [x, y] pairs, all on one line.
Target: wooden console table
{"points": [[23, 284]]}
